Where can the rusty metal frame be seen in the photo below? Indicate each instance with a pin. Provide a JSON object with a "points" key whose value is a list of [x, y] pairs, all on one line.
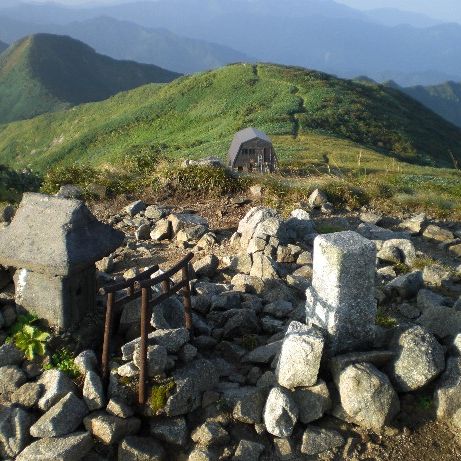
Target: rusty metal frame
{"points": [[140, 286]]}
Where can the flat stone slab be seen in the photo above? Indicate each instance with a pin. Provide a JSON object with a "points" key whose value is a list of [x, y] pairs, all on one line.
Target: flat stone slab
{"points": [[56, 236]]}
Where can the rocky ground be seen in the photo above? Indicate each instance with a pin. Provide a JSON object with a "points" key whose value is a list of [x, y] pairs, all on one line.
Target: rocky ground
{"points": [[238, 387]]}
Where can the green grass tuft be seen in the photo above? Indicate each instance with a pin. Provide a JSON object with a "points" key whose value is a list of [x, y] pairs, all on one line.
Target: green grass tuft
{"points": [[159, 396]]}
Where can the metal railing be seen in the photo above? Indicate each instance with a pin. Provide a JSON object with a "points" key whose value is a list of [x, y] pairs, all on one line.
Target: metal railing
{"points": [[141, 287]]}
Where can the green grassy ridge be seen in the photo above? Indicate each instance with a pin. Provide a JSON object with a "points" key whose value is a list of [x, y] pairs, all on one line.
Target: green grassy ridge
{"points": [[443, 99], [45, 73], [197, 115]]}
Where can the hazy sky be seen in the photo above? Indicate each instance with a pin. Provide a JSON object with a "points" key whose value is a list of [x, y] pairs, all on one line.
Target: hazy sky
{"points": [[447, 10]]}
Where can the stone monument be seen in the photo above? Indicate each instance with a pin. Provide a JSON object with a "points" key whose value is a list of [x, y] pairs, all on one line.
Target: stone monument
{"points": [[53, 243], [341, 300]]}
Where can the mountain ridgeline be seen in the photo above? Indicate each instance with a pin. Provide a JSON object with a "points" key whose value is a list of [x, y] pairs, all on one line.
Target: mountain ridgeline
{"points": [[443, 99], [3, 46], [44, 73], [199, 114]]}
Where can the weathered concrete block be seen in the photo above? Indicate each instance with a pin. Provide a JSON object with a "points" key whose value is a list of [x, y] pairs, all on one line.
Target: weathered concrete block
{"points": [[341, 299]]}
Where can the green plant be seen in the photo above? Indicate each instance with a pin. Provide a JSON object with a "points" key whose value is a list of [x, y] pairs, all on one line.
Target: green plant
{"points": [[425, 402], [28, 338], [159, 395], [385, 320], [63, 360]]}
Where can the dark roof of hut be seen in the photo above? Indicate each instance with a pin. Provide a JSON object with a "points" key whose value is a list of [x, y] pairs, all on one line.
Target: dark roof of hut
{"points": [[242, 136]]}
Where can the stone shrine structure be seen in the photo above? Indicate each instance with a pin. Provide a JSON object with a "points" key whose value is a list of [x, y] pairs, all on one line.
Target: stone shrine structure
{"points": [[341, 300], [54, 243]]}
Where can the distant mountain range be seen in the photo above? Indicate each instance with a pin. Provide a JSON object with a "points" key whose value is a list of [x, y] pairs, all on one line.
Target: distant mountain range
{"points": [[444, 99], [3, 46], [125, 40], [44, 73], [319, 34]]}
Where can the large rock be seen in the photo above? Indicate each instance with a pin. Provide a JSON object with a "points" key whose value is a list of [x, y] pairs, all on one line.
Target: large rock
{"points": [[441, 321], [447, 395], [243, 322], [191, 381], [180, 221], [317, 440], [438, 233], [398, 250], [135, 448], [299, 360], [263, 267], [111, 429], [367, 395], [207, 266], [135, 208], [280, 412], [341, 299], [263, 354], [414, 224], [248, 451], [57, 385], [251, 220], [14, 431], [157, 359], [247, 403], [419, 359], [72, 447], [312, 402], [62, 419]]}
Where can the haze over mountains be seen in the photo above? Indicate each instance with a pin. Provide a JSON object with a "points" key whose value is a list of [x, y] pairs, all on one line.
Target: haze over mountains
{"points": [[44, 73], [319, 34]]}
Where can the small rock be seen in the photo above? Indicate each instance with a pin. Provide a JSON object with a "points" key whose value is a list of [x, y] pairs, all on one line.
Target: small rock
{"points": [[438, 233], [447, 394], [248, 451], [93, 391], [14, 431], [406, 286], [27, 395], [207, 266], [317, 440], [11, 378], [135, 208], [161, 231], [209, 434], [143, 232], [280, 309], [414, 224], [317, 199], [118, 407], [299, 361], [157, 357], [110, 429], [170, 430], [57, 385], [140, 448], [280, 412], [312, 402], [10, 355], [86, 361]]}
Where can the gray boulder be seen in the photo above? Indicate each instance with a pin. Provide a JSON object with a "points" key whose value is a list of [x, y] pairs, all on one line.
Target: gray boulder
{"points": [[170, 430], [263, 267], [135, 448], [72, 447], [247, 403], [154, 212], [57, 385], [263, 354], [11, 378], [419, 359], [243, 322], [414, 224], [280, 412], [27, 395], [10, 355], [441, 321], [14, 431], [93, 391], [398, 250], [191, 381], [135, 208], [157, 358], [161, 230], [312, 402], [299, 360], [405, 286], [437, 233], [367, 395], [317, 440], [117, 406], [447, 394], [210, 433], [207, 266], [248, 451], [62, 419], [86, 361], [110, 429]]}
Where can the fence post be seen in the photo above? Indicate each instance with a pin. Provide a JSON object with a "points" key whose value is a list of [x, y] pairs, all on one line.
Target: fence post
{"points": [[186, 295], [143, 346], [107, 336]]}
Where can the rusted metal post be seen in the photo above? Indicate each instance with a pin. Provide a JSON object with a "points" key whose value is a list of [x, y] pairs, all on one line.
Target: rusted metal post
{"points": [[107, 336], [165, 286], [143, 346], [186, 295]]}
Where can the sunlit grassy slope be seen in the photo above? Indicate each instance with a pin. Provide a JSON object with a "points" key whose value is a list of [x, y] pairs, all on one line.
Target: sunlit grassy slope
{"points": [[44, 73], [198, 115]]}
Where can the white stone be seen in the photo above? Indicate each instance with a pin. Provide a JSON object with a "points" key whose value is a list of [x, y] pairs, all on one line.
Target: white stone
{"points": [[341, 299]]}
